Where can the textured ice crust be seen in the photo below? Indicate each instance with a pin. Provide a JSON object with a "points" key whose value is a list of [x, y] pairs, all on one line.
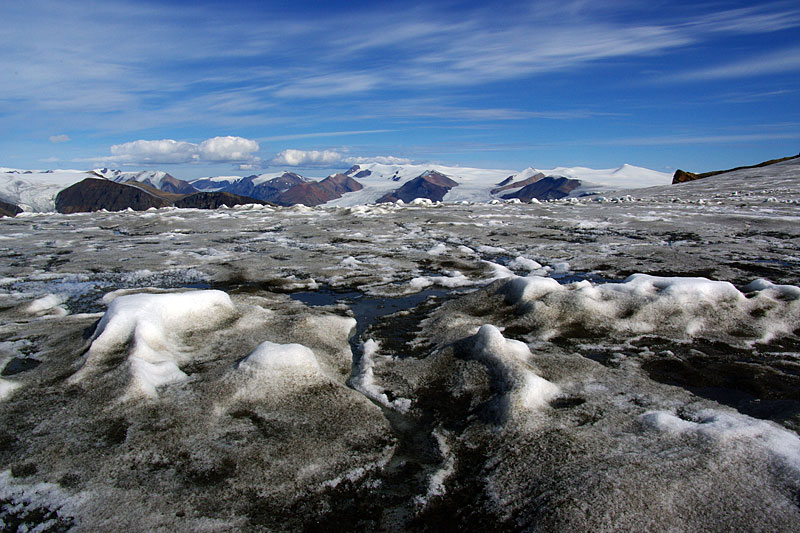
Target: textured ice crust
{"points": [[721, 426], [644, 304]]}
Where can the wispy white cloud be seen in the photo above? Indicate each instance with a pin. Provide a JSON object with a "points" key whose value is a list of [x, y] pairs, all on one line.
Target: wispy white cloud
{"points": [[437, 108], [779, 61], [120, 65], [759, 18], [59, 138], [749, 97], [330, 85], [672, 140], [296, 136], [156, 50]]}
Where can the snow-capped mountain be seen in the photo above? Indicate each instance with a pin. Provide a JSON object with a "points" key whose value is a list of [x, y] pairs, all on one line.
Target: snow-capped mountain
{"points": [[155, 178]]}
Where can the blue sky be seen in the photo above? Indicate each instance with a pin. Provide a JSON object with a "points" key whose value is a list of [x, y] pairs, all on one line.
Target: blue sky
{"points": [[213, 88]]}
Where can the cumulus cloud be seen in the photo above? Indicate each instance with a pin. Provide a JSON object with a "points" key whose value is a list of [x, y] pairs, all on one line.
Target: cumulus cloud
{"points": [[59, 138], [296, 158], [223, 149], [167, 151]]}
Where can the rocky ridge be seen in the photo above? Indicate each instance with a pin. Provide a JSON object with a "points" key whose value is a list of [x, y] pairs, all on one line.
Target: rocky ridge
{"points": [[682, 176]]}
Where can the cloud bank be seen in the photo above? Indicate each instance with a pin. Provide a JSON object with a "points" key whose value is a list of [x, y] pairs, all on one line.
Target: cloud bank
{"points": [[317, 158], [167, 151]]}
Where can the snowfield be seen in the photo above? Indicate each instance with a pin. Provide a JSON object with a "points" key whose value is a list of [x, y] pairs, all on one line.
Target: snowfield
{"points": [[620, 362]]}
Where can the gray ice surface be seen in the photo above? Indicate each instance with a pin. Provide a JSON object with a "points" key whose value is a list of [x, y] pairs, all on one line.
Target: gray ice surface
{"points": [[582, 409]]}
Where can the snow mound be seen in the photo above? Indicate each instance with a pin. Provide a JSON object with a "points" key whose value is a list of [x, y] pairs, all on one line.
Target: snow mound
{"points": [[275, 358], [48, 304], [151, 326], [644, 304], [507, 361], [7, 387]]}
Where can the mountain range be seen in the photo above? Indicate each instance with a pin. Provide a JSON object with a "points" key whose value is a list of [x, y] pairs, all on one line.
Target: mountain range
{"points": [[45, 191]]}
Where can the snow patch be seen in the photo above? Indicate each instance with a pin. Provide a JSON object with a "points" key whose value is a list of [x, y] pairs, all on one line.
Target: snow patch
{"points": [[436, 482]]}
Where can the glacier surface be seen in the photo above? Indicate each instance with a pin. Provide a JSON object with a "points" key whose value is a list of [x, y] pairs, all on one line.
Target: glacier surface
{"points": [[593, 364]]}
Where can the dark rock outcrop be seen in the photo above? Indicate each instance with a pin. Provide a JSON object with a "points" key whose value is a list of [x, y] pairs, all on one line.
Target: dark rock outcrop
{"points": [[94, 194], [681, 176], [215, 200], [9, 210], [431, 185], [505, 184], [312, 193], [548, 188], [356, 172]]}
